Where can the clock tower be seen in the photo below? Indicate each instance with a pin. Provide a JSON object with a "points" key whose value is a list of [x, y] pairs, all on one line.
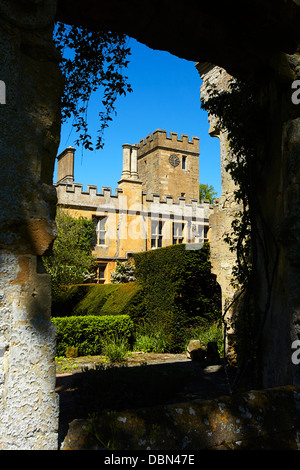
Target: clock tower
{"points": [[169, 165]]}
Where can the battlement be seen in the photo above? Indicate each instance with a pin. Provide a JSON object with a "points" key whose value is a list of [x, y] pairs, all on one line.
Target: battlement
{"points": [[74, 195], [160, 139]]}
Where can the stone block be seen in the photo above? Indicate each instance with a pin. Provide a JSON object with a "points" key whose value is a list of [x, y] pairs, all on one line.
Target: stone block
{"points": [[195, 351], [254, 420]]}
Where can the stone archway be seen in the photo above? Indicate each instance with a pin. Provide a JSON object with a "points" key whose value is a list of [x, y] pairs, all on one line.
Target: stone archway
{"points": [[212, 32]]}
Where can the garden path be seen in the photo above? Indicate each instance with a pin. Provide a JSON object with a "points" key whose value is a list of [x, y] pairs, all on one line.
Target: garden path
{"points": [[185, 379]]}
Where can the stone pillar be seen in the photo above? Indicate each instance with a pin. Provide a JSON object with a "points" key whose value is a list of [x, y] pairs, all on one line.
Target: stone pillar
{"points": [[226, 207], [30, 132], [134, 164], [126, 161], [275, 232], [277, 265], [65, 166]]}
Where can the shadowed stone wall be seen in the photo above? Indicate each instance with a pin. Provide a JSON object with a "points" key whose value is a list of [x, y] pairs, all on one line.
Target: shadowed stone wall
{"points": [[29, 123], [256, 420], [225, 207]]}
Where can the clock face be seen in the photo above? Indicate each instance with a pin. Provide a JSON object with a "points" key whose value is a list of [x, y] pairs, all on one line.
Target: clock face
{"points": [[174, 160]]}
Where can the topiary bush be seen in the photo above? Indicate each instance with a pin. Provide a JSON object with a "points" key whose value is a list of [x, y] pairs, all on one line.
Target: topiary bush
{"points": [[98, 299], [94, 300], [178, 290], [64, 304], [88, 333]]}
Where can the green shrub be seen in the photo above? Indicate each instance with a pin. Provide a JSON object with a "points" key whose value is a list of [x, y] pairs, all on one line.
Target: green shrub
{"points": [[150, 339], [116, 348], [145, 343], [105, 299], [94, 300], [123, 273], [120, 301], [64, 303], [206, 333], [178, 289], [88, 332], [71, 260]]}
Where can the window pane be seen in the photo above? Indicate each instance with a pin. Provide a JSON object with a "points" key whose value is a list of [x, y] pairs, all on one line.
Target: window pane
{"points": [[154, 227], [100, 226], [101, 271], [156, 233], [102, 223], [160, 227]]}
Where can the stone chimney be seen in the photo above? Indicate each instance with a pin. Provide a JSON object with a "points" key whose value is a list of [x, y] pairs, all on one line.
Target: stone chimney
{"points": [[130, 162], [65, 166], [134, 163], [126, 161]]}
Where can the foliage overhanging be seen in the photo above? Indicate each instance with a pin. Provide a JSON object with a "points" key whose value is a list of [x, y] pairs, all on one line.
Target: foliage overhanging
{"points": [[91, 60]]}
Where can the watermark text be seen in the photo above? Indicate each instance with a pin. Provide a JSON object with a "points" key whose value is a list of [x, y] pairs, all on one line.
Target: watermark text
{"points": [[296, 354], [2, 92], [296, 93]]}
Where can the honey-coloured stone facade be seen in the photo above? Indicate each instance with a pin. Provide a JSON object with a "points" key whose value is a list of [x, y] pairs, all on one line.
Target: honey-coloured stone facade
{"points": [[169, 165], [155, 205]]}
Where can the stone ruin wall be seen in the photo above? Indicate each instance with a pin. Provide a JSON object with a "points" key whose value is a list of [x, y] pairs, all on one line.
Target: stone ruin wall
{"points": [[276, 268], [29, 138], [225, 207]]}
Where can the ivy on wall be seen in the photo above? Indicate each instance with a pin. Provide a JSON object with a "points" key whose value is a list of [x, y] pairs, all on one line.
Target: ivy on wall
{"points": [[239, 113]]}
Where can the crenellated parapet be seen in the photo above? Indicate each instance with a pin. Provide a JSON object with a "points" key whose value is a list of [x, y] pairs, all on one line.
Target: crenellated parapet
{"points": [[161, 163], [160, 139], [73, 195], [180, 206]]}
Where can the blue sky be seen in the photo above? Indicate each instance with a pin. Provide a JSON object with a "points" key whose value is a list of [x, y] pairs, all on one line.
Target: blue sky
{"points": [[166, 95]]}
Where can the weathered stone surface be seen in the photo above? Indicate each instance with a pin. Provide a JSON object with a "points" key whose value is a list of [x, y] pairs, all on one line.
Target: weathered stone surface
{"points": [[226, 207], [29, 405], [276, 248], [30, 128], [282, 319], [195, 351], [155, 171], [266, 419], [207, 31]]}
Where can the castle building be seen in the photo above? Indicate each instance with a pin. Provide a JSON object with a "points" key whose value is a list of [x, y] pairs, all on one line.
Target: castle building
{"points": [[155, 205]]}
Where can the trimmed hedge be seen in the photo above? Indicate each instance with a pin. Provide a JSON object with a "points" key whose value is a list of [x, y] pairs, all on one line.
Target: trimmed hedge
{"points": [[69, 297], [179, 289], [87, 332], [107, 299], [103, 299]]}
